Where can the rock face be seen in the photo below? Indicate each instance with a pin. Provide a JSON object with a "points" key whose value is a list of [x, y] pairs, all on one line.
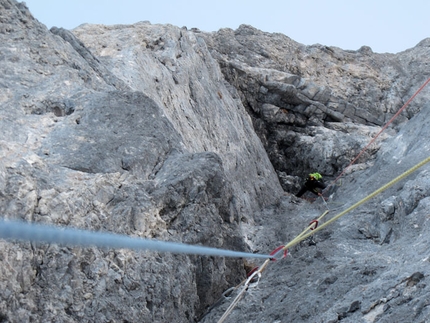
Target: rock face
{"points": [[174, 68], [369, 266], [161, 132], [297, 95], [84, 147]]}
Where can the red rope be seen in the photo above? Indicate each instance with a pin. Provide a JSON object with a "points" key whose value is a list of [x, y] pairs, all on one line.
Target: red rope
{"points": [[383, 128]]}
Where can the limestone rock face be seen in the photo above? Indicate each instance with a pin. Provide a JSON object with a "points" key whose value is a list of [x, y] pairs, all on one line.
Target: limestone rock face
{"points": [[161, 132], [369, 266], [173, 67], [295, 92], [83, 147]]}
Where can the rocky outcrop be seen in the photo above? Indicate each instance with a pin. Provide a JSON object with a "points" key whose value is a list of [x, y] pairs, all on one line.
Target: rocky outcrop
{"points": [[161, 132], [295, 92], [173, 67], [369, 266], [82, 146]]}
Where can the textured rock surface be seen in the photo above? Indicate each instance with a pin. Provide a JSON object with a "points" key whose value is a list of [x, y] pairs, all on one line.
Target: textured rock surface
{"points": [[161, 132], [174, 68], [369, 266], [291, 91], [80, 147]]}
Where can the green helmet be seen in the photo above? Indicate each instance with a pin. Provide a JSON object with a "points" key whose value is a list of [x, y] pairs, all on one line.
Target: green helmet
{"points": [[317, 176]]}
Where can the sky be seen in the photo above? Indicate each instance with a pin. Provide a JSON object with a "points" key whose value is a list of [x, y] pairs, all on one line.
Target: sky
{"points": [[384, 25]]}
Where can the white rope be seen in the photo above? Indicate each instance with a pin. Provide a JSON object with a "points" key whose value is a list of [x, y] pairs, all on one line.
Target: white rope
{"points": [[242, 292]]}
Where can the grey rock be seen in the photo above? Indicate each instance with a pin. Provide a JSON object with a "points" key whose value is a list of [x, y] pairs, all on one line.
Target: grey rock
{"points": [[174, 68], [179, 135], [313, 86], [100, 131], [83, 148]]}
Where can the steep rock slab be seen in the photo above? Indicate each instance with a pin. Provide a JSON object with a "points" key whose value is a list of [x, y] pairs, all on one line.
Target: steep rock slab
{"points": [[112, 132], [188, 199], [43, 79], [78, 149], [374, 83], [173, 67], [45, 191]]}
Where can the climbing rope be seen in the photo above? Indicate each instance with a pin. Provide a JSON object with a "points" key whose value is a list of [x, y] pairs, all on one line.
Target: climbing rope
{"points": [[17, 230], [326, 205], [246, 283], [241, 293], [258, 270], [313, 227], [48, 234], [362, 201]]}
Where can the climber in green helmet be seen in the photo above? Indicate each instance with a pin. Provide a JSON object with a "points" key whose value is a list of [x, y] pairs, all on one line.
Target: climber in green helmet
{"points": [[314, 183]]}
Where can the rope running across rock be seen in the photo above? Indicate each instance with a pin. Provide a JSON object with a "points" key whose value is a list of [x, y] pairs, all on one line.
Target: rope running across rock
{"points": [[313, 226]]}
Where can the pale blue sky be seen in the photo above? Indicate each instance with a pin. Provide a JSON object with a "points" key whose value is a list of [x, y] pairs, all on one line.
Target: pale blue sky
{"points": [[384, 25]]}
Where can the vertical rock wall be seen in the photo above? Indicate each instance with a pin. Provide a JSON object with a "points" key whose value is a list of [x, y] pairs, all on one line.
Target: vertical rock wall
{"points": [[315, 107], [83, 145], [174, 68]]}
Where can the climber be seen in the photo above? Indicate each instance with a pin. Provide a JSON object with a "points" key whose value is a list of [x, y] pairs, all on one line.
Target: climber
{"points": [[314, 183]]}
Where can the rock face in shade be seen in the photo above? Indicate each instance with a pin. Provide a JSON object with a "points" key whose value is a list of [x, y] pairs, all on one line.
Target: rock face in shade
{"points": [[161, 132], [308, 103]]}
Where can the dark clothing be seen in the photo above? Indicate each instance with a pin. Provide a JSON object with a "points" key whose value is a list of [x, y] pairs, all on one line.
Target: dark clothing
{"points": [[312, 185]]}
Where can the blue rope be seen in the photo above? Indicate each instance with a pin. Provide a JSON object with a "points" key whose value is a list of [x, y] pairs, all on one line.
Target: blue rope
{"points": [[15, 230]]}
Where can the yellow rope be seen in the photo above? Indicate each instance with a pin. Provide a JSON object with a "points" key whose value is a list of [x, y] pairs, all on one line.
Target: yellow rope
{"points": [[258, 272], [298, 238], [364, 200], [305, 234]]}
